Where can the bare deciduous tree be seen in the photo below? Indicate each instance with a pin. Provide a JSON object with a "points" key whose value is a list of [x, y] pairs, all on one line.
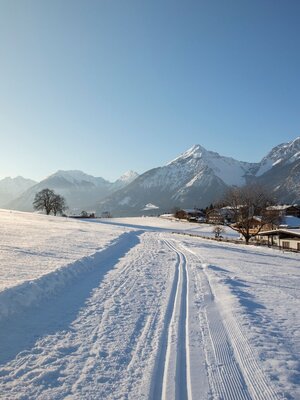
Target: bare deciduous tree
{"points": [[248, 204], [59, 204], [218, 230], [47, 200]]}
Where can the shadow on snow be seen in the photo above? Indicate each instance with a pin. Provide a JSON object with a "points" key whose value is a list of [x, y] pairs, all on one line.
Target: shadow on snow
{"points": [[21, 331]]}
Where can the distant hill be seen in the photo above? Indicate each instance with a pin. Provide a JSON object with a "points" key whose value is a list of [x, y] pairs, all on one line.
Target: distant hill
{"points": [[10, 188], [79, 189]]}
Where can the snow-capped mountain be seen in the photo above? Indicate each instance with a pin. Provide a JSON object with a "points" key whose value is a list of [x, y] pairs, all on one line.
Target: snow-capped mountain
{"points": [[125, 179], [79, 189], [10, 188], [285, 153], [196, 177], [282, 172], [197, 159], [199, 177]]}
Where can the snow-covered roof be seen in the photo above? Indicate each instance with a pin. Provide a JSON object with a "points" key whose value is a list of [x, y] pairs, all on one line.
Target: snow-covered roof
{"points": [[150, 206], [191, 210], [281, 207], [289, 221], [292, 232]]}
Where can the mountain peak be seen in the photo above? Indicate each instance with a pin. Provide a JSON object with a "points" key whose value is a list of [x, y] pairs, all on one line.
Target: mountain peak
{"points": [[128, 176], [195, 151], [283, 153], [11, 188]]}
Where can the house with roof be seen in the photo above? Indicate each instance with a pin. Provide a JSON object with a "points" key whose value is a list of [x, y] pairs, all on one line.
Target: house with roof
{"points": [[190, 214], [193, 214], [215, 216], [285, 210], [285, 235], [283, 238]]}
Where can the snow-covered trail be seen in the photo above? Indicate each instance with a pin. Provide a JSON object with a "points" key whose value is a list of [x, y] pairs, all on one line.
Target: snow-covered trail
{"points": [[99, 337], [143, 324], [204, 358], [233, 371]]}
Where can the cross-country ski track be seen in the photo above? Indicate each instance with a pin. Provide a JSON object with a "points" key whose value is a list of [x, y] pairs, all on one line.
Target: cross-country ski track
{"points": [[142, 323]]}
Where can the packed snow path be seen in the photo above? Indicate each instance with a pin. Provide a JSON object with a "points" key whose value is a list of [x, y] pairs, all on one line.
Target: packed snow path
{"points": [[143, 324]]}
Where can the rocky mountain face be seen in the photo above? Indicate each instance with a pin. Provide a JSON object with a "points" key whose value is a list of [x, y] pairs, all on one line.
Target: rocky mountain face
{"points": [[199, 177], [10, 188], [281, 172], [195, 178], [80, 190]]}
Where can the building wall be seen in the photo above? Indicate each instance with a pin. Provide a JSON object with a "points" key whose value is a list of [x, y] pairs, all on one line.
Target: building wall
{"points": [[293, 243]]}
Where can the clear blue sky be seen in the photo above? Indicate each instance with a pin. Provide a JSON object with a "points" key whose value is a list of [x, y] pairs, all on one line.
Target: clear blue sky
{"points": [[110, 85]]}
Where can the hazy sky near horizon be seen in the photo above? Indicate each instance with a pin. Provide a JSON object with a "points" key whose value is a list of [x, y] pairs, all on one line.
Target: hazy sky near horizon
{"points": [[111, 85]]}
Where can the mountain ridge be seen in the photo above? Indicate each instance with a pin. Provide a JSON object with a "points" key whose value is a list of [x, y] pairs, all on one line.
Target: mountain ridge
{"points": [[79, 189], [197, 177]]}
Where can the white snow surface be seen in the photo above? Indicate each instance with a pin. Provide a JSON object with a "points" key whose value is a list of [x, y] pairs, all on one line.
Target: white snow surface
{"points": [[150, 206], [126, 309], [128, 176], [76, 177], [231, 171], [285, 152]]}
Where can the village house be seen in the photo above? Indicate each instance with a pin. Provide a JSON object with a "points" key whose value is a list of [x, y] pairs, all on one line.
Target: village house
{"points": [[282, 238], [253, 225], [284, 210], [215, 216], [193, 214], [190, 214]]}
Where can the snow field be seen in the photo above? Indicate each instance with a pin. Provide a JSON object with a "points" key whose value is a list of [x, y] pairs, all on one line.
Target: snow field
{"points": [[109, 349], [146, 314], [32, 245], [169, 224], [17, 298], [257, 293], [234, 371]]}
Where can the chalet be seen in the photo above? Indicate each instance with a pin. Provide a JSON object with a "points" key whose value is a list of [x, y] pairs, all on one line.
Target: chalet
{"points": [[284, 210], [192, 214], [282, 238], [253, 225], [215, 216]]}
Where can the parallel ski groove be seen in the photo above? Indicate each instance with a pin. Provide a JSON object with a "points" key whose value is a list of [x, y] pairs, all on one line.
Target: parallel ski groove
{"points": [[174, 354], [234, 359], [160, 367]]}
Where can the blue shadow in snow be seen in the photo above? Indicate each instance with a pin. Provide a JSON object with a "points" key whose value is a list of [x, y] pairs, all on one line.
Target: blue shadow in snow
{"points": [[20, 331], [246, 299]]}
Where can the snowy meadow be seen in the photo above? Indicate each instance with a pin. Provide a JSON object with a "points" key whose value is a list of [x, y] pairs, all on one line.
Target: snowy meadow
{"points": [[126, 309]]}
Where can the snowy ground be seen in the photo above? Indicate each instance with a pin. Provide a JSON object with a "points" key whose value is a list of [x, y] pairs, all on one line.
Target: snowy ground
{"points": [[171, 225], [124, 309]]}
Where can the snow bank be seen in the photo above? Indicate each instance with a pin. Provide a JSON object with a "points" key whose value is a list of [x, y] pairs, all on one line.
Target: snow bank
{"points": [[17, 298], [32, 245]]}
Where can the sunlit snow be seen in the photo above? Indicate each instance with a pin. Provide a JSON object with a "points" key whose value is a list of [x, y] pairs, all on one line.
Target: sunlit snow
{"points": [[135, 308]]}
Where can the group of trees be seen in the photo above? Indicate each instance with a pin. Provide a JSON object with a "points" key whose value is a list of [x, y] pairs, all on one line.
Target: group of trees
{"points": [[47, 200], [248, 209], [249, 204]]}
